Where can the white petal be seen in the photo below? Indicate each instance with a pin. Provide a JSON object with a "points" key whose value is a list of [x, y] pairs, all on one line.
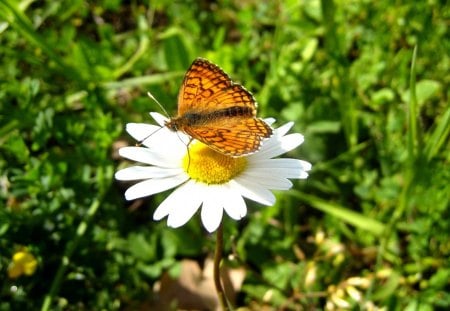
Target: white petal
{"points": [[152, 186], [167, 142], [303, 175], [282, 130], [276, 163], [212, 209], [285, 167], [306, 166], [138, 154], [154, 141], [292, 141], [266, 180], [176, 202], [185, 204], [146, 172], [267, 149], [153, 157], [159, 138], [159, 118], [234, 204], [252, 191], [276, 146], [270, 121], [140, 131]]}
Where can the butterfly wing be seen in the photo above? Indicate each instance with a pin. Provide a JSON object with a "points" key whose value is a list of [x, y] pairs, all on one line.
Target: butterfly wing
{"points": [[207, 88], [218, 112], [233, 137]]}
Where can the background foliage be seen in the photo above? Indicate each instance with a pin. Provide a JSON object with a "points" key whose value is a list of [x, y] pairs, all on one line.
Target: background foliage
{"points": [[366, 82]]}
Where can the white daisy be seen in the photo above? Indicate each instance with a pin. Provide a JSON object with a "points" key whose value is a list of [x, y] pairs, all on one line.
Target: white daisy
{"points": [[204, 177]]}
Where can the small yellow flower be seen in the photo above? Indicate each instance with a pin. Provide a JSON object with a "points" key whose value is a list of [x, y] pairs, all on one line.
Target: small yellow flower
{"points": [[23, 262]]}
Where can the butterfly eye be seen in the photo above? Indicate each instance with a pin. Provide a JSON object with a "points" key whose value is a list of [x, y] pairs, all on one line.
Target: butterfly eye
{"points": [[171, 125]]}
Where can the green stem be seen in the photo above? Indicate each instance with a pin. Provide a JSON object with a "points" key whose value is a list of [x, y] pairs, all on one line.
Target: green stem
{"points": [[217, 260], [65, 260], [414, 143]]}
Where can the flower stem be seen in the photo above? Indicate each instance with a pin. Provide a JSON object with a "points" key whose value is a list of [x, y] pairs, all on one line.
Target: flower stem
{"points": [[217, 259]]}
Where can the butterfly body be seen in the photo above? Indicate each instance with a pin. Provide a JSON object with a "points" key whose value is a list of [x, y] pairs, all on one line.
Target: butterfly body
{"points": [[218, 112], [199, 119]]}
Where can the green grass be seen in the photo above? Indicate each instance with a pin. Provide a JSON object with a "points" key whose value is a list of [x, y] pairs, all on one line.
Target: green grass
{"points": [[365, 82]]}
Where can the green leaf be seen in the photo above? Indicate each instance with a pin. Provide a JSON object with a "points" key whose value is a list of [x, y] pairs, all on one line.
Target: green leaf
{"points": [[356, 219]]}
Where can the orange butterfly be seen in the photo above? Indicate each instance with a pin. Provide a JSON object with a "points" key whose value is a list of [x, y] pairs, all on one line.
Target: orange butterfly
{"points": [[218, 112]]}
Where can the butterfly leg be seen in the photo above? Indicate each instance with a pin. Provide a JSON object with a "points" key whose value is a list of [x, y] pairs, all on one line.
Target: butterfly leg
{"points": [[189, 155]]}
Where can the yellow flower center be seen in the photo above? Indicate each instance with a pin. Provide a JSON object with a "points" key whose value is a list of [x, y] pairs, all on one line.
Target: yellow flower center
{"points": [[211, 167]]}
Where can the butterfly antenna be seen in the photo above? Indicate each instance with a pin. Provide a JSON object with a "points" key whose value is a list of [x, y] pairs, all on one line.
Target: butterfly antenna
{"points": [[159, 104], [167, 115], [139, 143]]}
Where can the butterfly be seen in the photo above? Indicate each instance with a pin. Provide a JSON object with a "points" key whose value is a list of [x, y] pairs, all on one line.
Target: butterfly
{"points": [[218, 112]]}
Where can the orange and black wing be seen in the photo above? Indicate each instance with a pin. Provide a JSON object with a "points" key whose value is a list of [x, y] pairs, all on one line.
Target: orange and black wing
{"points": [[206, 88], [234, 137]]}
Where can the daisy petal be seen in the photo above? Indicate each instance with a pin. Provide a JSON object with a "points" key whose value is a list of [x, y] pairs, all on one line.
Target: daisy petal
{"points": [[288, 163], [145, 172], [212, 210], [270, 121], [234, 204], [288, 168], [303, 175], [185, 204], [159, 118], [253, 191], [140, 131], [282, 130], [177, 202], [267, 180], [305, 165], [147, 156], [277, 172], [291, 141], [167, 142], [152, 186], [138, 154], [276, 146]]}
